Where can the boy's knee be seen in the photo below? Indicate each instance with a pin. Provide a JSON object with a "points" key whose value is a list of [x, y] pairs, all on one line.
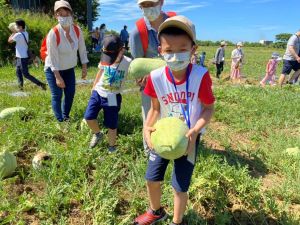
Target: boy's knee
{"points": [[153, 184]]}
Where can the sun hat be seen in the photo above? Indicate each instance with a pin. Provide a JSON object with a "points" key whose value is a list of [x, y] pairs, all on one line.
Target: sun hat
{"points": [[62, 4], [180, 22], [223, 43], [141, 1], [240, 44]]}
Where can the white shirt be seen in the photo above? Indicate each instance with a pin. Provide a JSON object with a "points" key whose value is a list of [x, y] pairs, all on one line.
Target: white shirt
{"points": [[112, 77], [64, 56], [21, 46]]}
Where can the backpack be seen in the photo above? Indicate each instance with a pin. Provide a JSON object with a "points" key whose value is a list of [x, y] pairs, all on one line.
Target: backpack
{"points": [[43, 49], [143, 31]]}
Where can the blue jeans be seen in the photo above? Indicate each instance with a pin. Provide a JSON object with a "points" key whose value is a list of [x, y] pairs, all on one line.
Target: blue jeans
{"points": [[62, 111], [22, 70]]}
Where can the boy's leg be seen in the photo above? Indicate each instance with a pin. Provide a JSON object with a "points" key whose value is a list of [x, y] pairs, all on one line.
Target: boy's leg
{"points": [[111, 117], [180, 203], [19, 73], [154, 175], [56, 94], [69, 91], [91, 114], [27, 75], [154, 194], [181, 180]]}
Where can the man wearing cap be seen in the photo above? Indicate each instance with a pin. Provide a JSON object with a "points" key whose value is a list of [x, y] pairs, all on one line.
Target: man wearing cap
{"points": [[63, 42], [291, 59], [143, 41], [106, 92], [220, 59]]}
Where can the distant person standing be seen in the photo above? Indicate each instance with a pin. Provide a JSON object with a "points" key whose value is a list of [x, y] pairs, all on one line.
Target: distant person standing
{"points": [[124, 36], [95, 37], [102, 34], [271, 70], [202, 59], [237, 57], [21, 38], [220, 59], [291, 59]]}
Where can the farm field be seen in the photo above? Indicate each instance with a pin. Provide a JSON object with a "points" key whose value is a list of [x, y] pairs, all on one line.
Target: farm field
{"points": [[243, 174]]}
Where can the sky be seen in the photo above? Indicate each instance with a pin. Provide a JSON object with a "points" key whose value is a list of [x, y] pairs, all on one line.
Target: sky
{"points": [[233, 20]]}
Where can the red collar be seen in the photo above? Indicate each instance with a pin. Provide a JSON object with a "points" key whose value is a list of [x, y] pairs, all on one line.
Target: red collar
{"points": [[177, 82]]}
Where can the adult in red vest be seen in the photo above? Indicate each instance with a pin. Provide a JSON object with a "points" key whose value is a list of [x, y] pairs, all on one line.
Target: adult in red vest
{"points": [[63, 42], [144, 42]]}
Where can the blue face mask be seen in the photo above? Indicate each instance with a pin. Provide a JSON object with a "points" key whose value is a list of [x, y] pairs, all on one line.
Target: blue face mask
{"points": [[177, 61]]}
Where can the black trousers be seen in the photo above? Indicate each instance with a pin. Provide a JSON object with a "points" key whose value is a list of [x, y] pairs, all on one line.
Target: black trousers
{"points": [[220, 68]]}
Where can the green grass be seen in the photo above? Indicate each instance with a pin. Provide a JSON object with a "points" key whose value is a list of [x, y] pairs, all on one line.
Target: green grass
{"points": [[242, 175]]}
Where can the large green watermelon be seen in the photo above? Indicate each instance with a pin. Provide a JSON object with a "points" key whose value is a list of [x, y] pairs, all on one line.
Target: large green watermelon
{"points": [[169, 140], [10, 111], [8, 164], [141, 67]]}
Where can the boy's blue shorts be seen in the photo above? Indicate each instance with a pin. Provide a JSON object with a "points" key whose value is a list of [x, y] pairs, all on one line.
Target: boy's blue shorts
{"points": [[111, 113], [182, 171]]}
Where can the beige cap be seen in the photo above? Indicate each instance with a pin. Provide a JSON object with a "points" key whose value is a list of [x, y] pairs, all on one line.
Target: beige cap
{"points": [[223, 43], [141, 1], [180, 22], [62, 4]]}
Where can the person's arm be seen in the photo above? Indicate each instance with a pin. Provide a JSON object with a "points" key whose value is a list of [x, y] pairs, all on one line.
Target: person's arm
{"points": [[152, 117], [217, 58], [293, 52], [11, 38], [83, 54], [53, 55], [135, 44], [97, 78]]}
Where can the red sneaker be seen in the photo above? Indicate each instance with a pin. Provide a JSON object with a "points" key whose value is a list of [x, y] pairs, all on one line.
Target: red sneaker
{"points": [[148, 218]]}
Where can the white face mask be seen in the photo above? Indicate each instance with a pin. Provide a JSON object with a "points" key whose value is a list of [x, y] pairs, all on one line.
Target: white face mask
{"points": [[177, 61], [65, 21], [152, 13]]}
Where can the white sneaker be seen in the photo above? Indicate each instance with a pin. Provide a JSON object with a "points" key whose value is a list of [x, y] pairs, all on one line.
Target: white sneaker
{"points": [[96, 138]]}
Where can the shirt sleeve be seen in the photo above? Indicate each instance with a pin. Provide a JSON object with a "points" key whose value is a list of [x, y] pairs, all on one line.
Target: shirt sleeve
{"points": [[292, 41], [135, 44], [205, 94], [16, 37], [52, 51], [82, 49], [149, 88]]}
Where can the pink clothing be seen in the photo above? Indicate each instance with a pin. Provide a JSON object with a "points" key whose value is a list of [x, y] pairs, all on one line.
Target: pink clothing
{"points": [[270, 72], [235, 72], [237, 56]]}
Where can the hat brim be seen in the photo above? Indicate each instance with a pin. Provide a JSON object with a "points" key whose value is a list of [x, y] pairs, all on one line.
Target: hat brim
{"points": [[180, 25], [141, 1], [109, 58]]}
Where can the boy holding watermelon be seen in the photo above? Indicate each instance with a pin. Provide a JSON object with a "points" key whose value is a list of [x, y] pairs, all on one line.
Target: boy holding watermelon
{"points": [[178, 90]]}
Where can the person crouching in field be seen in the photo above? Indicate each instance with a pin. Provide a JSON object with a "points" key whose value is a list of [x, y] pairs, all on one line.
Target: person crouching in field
{"points": [[237, 56], [271, 70], [106, 90], [177, 38]]}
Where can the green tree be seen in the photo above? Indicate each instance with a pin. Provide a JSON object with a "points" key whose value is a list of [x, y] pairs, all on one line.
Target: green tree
{"points": [[283, 37]]}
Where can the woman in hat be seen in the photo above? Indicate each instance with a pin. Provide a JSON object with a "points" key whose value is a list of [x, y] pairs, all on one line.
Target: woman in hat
{"points": [[237, 56], [63, 42]]}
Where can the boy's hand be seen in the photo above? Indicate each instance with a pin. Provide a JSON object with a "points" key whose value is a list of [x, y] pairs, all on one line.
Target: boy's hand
{"points": [[142, 81], [147, 135], [192, 136]]}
